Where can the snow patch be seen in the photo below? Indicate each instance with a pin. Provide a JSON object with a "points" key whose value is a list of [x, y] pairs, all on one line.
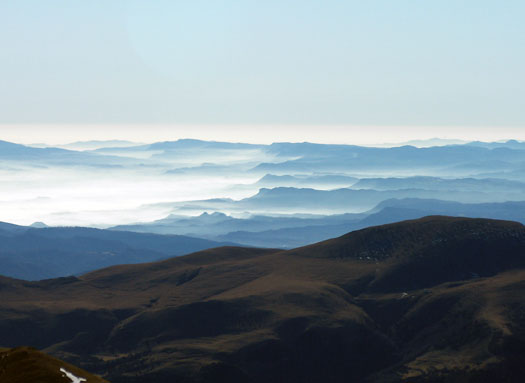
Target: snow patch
{"points": [[74, 379]]}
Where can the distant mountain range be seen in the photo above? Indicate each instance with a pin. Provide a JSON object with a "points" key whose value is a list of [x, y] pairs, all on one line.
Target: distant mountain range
{"points": [[280, 178], [432, 300], [51, 156], [293, 231], [94, 144], [510, 144], [289, 200], [430, 142], [444, 160], [313, 181], [216, 223], [302, 158], [40, 253], [284, 187], [487, 185]]}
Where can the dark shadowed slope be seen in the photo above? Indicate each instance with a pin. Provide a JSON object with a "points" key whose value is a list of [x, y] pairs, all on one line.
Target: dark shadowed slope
{"points": [[27, 365], [432, 300]]}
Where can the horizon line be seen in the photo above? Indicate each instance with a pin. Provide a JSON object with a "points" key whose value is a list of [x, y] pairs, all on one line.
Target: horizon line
{"points": [[362, 135]]}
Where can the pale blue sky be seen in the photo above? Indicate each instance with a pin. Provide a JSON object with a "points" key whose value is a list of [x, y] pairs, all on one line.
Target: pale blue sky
{"points": [[431, 62]]}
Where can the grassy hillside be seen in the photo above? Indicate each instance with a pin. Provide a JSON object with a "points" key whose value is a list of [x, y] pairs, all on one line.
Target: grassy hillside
{"points": [[432, 300]]}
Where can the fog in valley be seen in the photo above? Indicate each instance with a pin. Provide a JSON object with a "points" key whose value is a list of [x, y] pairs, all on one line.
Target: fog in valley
{"points": [[123, 187], [104, 184]]}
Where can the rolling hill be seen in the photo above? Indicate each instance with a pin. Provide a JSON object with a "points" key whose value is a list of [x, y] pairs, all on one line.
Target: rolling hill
{"points": [[437, 299]]}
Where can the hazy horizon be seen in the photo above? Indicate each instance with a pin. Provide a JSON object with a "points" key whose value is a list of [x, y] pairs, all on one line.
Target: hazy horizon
{"points": [[254, 134]]}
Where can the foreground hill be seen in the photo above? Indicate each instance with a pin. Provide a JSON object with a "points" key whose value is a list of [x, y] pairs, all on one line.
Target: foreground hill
{"points": [[431, 300], [24, 365]]}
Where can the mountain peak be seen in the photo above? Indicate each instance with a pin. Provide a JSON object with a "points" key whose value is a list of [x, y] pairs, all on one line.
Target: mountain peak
{"points": [[38, 225]]}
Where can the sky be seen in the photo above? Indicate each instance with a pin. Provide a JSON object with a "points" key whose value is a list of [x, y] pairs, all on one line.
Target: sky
{"points": [[332, 70]]}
